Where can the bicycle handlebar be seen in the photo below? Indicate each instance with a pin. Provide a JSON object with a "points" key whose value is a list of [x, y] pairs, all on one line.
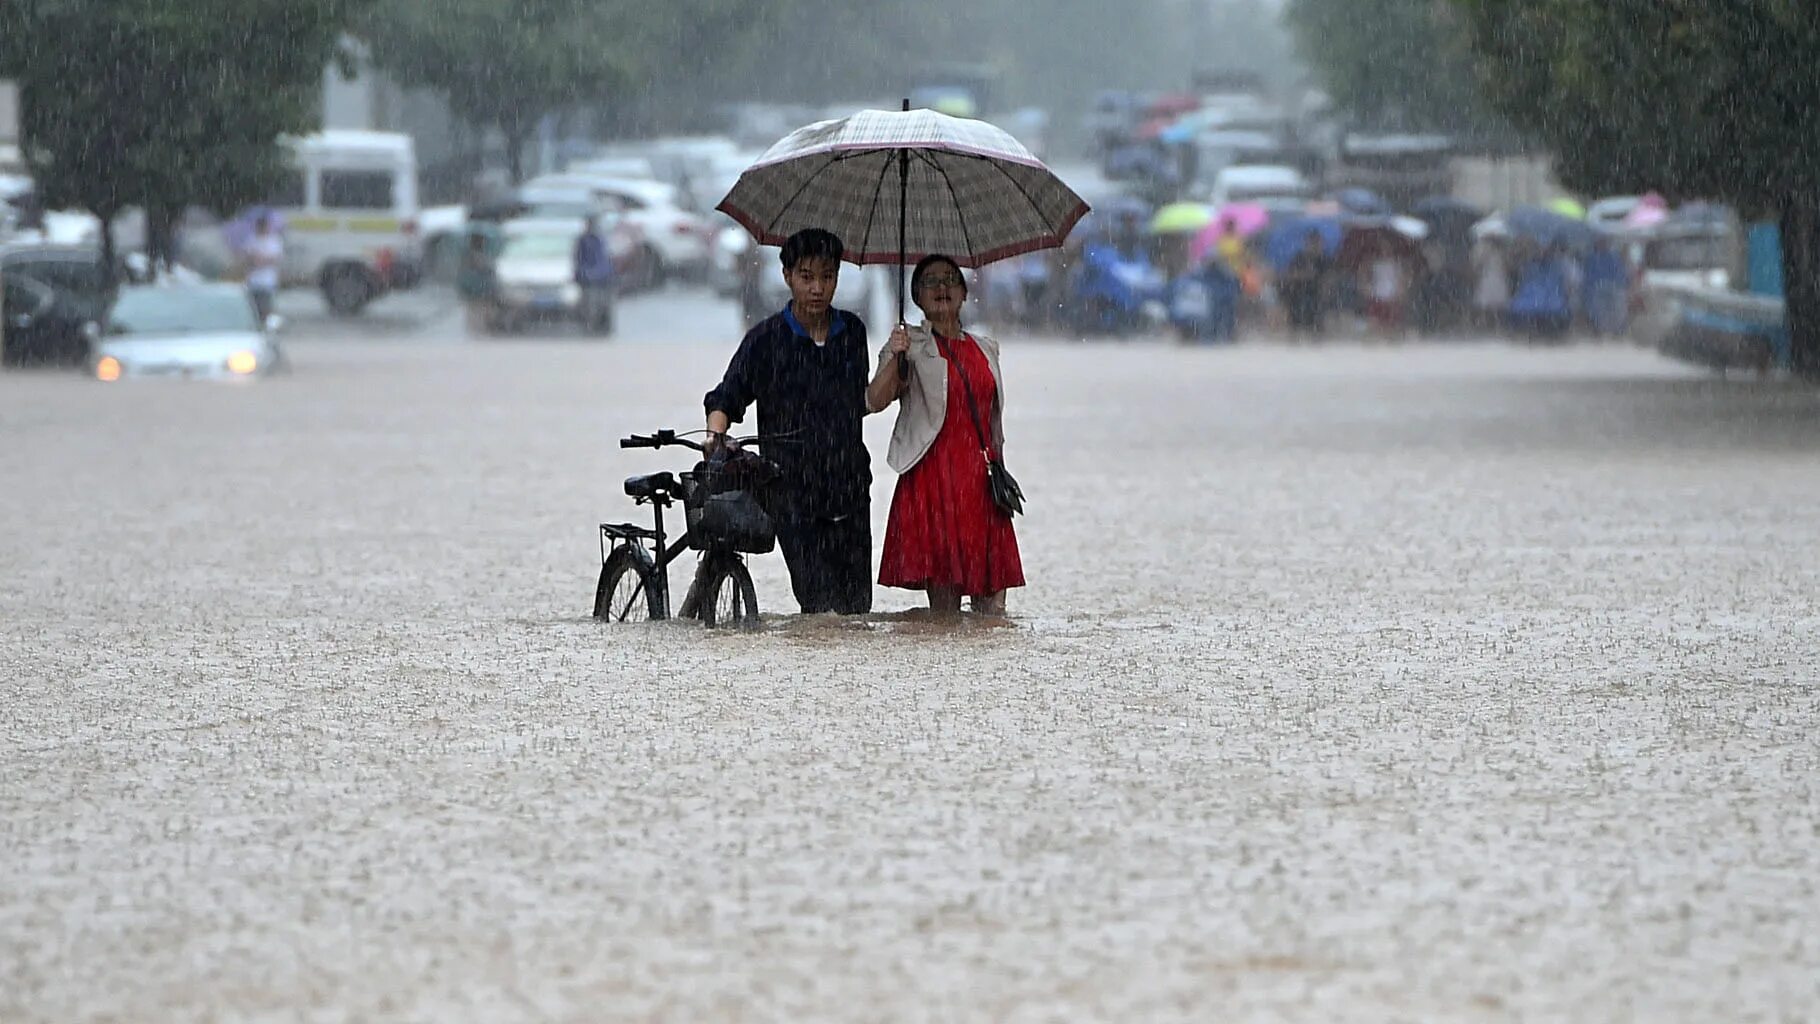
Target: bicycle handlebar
{"points": [[666, 438]]}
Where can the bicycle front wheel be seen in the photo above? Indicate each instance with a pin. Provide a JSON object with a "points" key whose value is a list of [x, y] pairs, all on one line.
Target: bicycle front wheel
{"points": [[625, 592], [730, 599]]}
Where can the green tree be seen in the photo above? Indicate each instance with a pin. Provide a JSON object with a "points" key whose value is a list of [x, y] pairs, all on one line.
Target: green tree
{"points": [[1396, 63], [1696, 98], [146, 103], [505, 64]]}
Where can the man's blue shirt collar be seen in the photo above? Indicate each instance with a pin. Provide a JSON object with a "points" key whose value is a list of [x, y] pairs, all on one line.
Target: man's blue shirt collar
{"points": [[836, 322]]}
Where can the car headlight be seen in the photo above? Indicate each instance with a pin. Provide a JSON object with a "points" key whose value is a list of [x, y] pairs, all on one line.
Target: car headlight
{"points": [[107, 368], [571, 293], [242, 362]]}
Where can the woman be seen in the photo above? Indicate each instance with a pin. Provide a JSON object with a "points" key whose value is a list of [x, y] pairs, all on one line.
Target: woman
{"points": [[475, 283], [945, 536]]}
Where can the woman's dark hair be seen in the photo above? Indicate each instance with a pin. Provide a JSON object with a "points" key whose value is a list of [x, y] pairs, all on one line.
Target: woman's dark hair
{"points": [[811, 244], [916, 276]]}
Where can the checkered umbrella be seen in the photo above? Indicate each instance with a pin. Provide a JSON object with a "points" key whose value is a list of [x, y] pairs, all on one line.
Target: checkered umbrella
{"points": [[896, 186]]}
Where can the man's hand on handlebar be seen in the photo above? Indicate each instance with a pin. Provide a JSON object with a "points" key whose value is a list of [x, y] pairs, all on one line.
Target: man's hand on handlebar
{"points": [[718, 444]]}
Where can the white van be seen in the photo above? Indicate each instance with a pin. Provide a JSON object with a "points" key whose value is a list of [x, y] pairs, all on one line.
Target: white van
{"points": [[350, 216], [349, 209]]}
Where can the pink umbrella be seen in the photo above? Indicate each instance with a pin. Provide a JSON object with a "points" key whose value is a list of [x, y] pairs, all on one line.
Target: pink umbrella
{"points": [[1650, 210], [1242, 219]]}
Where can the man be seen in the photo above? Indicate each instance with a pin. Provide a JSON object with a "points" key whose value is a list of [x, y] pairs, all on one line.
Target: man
{"points": [[264, 257], [594, 275], [806, 368]]}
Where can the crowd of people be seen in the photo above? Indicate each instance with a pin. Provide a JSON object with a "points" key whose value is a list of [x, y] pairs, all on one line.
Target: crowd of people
{"points": [[1321, 269]]}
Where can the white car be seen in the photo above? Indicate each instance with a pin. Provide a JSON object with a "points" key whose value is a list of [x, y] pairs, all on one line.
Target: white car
{"points": [[677, 241], [187, 331], [1249, 183], [534, 275]]}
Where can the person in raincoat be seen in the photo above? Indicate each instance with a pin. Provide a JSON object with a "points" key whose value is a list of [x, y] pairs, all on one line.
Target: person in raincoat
{"points": [[1491, 296], [805, 367], [1607, 289], [945, 536], [476, 284], [1541, 307], [1302, 286]]}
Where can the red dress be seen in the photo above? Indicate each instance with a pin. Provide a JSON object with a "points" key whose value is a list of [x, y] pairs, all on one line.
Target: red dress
{"points": [[944, 530]]}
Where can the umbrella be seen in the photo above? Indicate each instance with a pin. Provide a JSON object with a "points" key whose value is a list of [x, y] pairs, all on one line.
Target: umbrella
{"points": [[239, 232], [1569, 208], [1549, 227], [1650, 210], [1446, 210], [1366, 238], [1242, 219], [1362, 201], [1181, 219], [1287, 238], [899, 185]]}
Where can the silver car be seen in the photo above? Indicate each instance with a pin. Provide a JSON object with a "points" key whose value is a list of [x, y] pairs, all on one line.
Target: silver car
{"points": [[193, 331]]}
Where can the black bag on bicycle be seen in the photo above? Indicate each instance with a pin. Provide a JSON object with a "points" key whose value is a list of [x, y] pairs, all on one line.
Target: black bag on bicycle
{"points": [[720, 512]]}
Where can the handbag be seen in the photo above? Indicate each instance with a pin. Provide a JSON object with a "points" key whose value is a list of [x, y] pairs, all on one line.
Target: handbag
{"points": [[1007, 496]]}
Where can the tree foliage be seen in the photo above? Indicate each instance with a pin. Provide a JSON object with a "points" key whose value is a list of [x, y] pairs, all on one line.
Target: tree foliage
{"points": [[1400, 64], [1697, 98], [147, 103], [506, 64]]}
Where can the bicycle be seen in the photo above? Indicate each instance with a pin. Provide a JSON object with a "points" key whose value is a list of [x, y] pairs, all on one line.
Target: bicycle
{"points": [[723, 521]]}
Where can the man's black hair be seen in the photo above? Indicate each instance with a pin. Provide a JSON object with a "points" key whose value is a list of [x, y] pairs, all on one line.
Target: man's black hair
{"points": [[811, 244]]}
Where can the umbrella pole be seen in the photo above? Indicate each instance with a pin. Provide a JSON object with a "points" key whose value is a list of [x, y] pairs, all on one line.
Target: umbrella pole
{"points": [[903, 216]]}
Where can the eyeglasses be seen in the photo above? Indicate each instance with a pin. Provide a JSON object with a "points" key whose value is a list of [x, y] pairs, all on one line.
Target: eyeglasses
{"points": [[942, 281]]}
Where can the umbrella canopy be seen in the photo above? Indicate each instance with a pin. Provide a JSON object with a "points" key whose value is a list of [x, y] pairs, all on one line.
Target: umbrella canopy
{"points": [[1365, 240], [899, 185], [1362, 201], [1650, 210], [239, 232], [1569, 208], [1548, 227], [1446, 210], [1242, 219], [1287, 238], [1181, 219]]}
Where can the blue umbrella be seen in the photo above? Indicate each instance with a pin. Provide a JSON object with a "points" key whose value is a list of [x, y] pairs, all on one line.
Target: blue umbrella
{"points": [[1362, 201], [1550, 228], [1286, 238]]}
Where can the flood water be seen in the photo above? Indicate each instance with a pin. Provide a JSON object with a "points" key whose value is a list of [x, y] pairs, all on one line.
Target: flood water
{"points": [[1432, 681]]}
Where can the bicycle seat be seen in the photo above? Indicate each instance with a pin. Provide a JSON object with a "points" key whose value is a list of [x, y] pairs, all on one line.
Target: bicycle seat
{"points": [[651, 485]]}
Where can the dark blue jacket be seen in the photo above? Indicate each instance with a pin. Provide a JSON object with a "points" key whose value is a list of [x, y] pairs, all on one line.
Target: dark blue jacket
{"points": [[593, 265], [814, 394]]}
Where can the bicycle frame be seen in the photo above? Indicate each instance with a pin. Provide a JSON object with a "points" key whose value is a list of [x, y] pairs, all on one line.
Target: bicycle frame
{"points": [[635, 537]]}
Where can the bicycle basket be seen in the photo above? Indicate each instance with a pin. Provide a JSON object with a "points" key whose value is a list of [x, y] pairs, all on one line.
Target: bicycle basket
{"points": [[734, 519]]}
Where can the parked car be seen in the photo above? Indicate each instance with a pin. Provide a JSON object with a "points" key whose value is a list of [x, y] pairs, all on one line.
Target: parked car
{"points": [[676, 240], [52, 293], [192, 331], [36, 328], [535, 277], [566, 209], [1247, 183]]}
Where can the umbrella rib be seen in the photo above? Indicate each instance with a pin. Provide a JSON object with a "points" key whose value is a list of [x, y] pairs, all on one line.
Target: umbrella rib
{"points": [[865, 242], [1021, 190], [966, 236], [808, 180]]}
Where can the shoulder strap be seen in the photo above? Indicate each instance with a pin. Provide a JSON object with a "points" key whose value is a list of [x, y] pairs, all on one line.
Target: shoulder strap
{"points": [[973, 410]]}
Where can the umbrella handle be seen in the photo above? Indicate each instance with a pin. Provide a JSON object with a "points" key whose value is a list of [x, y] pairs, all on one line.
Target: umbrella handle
{"points": [[903, 211]]}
